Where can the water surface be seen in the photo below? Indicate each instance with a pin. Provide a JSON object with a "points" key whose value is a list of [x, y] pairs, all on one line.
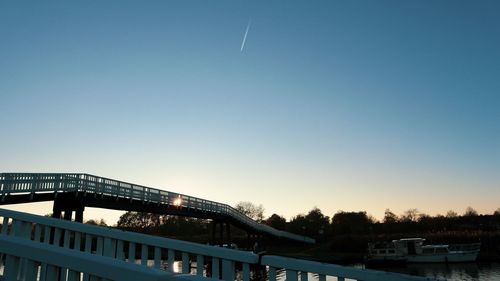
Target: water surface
{"points": [[451, 272]]}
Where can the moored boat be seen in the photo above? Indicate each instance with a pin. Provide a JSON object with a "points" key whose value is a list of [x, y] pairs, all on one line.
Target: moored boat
{"points": [[413, 250]]}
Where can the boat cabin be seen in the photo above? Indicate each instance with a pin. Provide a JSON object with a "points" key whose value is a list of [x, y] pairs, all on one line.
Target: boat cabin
{"points": [[409, 246], [414, 250]]}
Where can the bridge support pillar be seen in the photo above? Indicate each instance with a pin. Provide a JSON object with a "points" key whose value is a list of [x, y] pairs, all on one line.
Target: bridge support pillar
{"points": [[221, 237], [79, 215], [68, 214], [68, 204], [214, 231], [56, 212], [221, 240]]}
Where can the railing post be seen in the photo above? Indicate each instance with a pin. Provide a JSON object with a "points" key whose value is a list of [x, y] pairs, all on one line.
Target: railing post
{"points": [[109, 247], [170, 260], [77, 241], [131, 252], [215, 268], [304, 276], [34, 185], [228, 270], [291, 275], [5, 225], [185, 263], [200, 264], [31, 270], [144, 254], [119, 250], [11, 269], [246, 272], [272, 273], [157, 257]]}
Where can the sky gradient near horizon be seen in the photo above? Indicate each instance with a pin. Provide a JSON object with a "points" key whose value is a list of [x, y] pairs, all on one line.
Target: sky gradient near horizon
{"points": [[340, 105]]}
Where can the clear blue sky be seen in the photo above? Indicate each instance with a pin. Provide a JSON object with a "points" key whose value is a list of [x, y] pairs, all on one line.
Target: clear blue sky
{"points": [[343, 105]]}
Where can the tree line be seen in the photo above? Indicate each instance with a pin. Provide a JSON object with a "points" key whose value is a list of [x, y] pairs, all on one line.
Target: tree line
{"points": [[317, 225]]}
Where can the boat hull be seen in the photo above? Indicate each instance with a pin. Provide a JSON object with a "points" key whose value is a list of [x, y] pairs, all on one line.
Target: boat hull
{"points": [[434, 258], [440, 258]]}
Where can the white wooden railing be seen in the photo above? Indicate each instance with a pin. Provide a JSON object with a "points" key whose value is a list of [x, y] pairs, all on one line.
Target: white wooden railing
{"points": [[124, 245], [216, 262], [27, 260], [36, 183]]}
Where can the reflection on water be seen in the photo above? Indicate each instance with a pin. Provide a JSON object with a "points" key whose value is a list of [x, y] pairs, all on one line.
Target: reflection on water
{"points": [[451, 272]]}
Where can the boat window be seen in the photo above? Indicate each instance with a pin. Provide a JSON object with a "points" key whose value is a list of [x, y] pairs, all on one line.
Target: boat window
{"points": [[381, 251], [391, 251]]}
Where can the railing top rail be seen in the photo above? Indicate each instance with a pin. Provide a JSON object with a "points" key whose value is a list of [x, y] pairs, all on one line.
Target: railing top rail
{"points": [[85, 179], [149, 240]]}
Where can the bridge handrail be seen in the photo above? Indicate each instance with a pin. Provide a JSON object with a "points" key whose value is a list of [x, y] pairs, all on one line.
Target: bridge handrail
{"points": [[134, 237], [52, 261], [71, 182], [293, 267]]}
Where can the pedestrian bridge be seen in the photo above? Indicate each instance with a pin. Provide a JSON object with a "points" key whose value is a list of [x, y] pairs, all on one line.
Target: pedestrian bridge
{"points": [[73, 192], [37, 248]]}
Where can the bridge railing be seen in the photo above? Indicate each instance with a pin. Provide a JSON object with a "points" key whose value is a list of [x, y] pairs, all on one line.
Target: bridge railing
{"points": [[129, 246], [30, 261], [161, 253], [20, 183], [11, 183]]}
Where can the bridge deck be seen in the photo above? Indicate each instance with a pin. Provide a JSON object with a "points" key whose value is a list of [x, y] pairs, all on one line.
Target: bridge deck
{"points": [[94, 191]]}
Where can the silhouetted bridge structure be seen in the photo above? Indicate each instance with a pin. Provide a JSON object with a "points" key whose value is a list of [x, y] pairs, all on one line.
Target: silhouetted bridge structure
{"points": [[73, 192], [38, 248]]}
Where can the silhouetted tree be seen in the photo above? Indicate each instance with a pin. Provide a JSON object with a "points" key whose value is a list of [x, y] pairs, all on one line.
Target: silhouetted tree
{"points": [[317, 222], [390, 217], [298, 225], [410, 215], [139, 220], [497, 212], [314, 224], [182, 226], [251, 210], [276, 221], [425, 222], [351, 223], [470, 212], [101, 222], [451, 214]]}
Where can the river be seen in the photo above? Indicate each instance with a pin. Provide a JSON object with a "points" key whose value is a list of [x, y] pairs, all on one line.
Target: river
{"points": [[451, 272]]}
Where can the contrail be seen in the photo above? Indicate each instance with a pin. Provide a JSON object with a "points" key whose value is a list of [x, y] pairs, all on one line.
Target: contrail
{"points": [[245, 36]]}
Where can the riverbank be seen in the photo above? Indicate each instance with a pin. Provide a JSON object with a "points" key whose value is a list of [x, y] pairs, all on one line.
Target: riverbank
{"points": [[348, 249]]}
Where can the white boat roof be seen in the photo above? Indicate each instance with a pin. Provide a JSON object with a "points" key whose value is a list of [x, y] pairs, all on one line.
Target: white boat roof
{"points": [[435, 246], [410, 239]]}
